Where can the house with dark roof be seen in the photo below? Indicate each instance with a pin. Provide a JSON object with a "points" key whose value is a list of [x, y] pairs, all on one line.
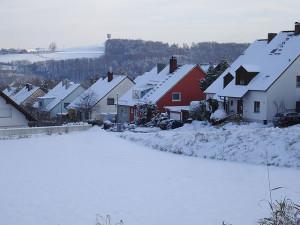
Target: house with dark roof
{"points": [[11, 114], [164, 86], [264, 80]]}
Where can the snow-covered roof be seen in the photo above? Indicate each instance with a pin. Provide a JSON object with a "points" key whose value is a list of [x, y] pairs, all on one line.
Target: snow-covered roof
{"points": [[10, 91], [24, 93], [155, 85], [99, 89], [59, 93], [269, 60]]}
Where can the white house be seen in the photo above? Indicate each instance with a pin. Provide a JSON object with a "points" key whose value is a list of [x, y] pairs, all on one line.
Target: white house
{"points": [[264, 80], [100, 100], [56, 101], [11, 114]]}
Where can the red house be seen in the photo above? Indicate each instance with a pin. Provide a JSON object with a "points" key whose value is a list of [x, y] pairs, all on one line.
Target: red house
{"points": [[170, 86]]}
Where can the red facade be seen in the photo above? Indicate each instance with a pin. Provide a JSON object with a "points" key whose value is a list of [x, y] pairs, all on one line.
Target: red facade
{"points": [[188, 87]]}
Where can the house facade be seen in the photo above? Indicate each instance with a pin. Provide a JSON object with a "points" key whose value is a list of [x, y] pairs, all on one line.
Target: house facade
{"points": [[11, 114], [99, 102], [265, 80], [164, 86], [56, 101]]}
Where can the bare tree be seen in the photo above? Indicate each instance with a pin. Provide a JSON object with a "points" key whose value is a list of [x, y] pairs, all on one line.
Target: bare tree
{"points": [[52, 47], [86, 104]]}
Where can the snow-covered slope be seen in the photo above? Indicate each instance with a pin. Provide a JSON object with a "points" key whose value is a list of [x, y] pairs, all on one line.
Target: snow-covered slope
{"points": [[68, 179], [60, 54], [243, 143]]}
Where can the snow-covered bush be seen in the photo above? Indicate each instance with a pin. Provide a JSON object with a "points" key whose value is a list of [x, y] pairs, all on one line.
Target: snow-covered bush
{"points": [[283, 212], [198, 110]]}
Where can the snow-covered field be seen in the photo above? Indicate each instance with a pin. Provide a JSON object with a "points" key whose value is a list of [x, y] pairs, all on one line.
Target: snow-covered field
{"points": [[62, 54], [68, 179], [252, 143]]}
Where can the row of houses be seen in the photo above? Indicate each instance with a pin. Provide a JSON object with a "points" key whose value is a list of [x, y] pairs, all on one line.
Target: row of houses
{"points": [[263, 81]]}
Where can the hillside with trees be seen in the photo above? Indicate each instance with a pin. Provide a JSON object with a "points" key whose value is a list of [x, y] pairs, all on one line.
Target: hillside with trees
{"points": [[132, 57]]}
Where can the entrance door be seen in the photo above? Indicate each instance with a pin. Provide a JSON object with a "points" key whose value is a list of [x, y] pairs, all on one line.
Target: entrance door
{"points": [[240, 107]]}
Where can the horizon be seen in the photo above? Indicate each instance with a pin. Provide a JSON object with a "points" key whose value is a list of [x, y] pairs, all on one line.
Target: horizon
{"points": [[34, 24]]}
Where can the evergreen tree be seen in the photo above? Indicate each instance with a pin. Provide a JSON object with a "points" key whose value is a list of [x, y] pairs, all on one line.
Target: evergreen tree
{"points": [[212, 74]]}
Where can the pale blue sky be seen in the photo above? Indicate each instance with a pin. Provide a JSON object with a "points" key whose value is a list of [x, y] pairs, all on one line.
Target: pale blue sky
{"points": [[35, 23]]}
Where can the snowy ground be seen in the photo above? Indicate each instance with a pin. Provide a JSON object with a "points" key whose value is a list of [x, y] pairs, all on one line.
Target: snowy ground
{"points": [[61, 54], [249, 143], [68, 179]]}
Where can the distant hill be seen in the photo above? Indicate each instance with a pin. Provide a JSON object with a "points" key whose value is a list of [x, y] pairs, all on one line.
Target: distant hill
{"points": [[133, 57]]}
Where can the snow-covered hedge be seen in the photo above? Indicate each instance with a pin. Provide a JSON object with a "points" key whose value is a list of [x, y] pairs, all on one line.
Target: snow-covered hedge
{"points": [[249, 143]]}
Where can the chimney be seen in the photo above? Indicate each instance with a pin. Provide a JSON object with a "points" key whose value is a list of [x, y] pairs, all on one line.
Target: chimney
{"points": [[66, 83], [297, 28], [28, 87], [173, 64], [110, 75], [160, 67], [271, 36]]}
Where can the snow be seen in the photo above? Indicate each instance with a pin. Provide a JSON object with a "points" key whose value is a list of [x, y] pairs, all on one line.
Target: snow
{"points": [[68, 179], [260, 57], [61, 54], [23, 94], [58, 93], [241, 143], [219, 114], [100, 89], [155, 85], [10, 91]]}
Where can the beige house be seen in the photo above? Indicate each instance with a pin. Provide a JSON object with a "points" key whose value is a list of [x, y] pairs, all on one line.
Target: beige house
{"points": [[28, 95], [99, 102]]}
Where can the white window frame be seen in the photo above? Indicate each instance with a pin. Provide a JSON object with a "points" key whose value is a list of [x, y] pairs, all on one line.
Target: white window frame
{"points": [[176, 100]]}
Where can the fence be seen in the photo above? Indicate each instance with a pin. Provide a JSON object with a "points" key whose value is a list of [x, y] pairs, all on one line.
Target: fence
{"points": [[23, 132]]}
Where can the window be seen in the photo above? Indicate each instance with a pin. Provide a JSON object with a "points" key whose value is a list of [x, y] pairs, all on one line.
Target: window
{"points": [[66, 104], [110, 101], [256, 107], [298, 82], [176, 96]]}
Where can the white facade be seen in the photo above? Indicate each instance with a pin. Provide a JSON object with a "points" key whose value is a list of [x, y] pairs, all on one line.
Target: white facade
{"points": [[10, 116], [102, 108], [263, 80]]}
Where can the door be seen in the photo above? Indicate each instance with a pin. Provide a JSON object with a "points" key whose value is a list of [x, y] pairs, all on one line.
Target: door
{"points": [[239, 109]]}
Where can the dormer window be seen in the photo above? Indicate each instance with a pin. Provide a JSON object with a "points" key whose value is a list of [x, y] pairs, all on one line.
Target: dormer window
{"points": [[244, 76], [227, 79]]}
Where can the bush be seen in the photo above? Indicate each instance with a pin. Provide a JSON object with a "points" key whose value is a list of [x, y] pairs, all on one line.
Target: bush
{"points": [[198, 111], [283, 212]]}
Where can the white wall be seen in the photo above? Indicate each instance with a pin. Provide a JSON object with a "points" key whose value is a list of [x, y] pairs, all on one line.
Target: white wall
{"points": [[10, 116], [102, 107], [60, 107], [284, 90], [248, 106]]}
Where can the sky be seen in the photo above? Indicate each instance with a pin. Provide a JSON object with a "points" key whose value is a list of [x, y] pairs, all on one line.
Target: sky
{"points": [[72, 23]]}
